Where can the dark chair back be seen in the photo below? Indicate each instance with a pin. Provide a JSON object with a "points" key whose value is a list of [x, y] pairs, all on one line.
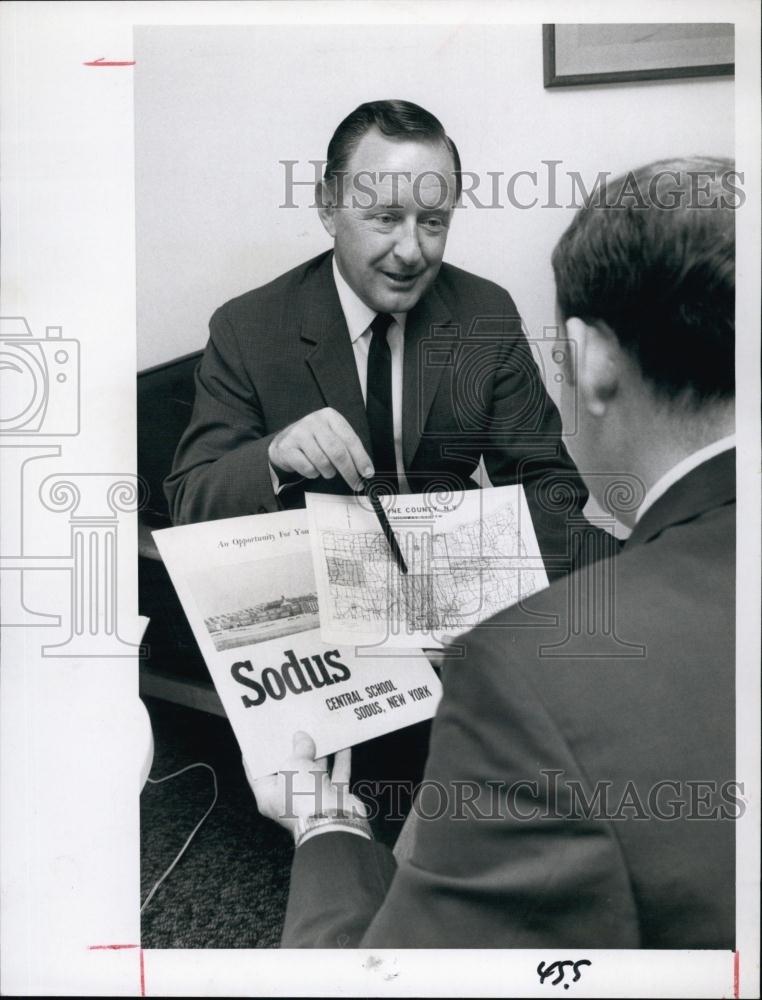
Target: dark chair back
{"points": [[164, 403], [165, 400]]}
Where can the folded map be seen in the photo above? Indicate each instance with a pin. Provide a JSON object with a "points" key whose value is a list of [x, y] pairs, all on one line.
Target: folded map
{"points": [[469, 553]]}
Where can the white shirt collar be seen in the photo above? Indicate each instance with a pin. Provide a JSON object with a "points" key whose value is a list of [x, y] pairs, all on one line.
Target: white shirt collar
{"points": [[682, 468], [356, 313]]}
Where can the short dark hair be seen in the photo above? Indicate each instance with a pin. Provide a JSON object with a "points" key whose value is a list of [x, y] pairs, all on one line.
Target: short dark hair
{"points": [[396, 119], [652, 254]]}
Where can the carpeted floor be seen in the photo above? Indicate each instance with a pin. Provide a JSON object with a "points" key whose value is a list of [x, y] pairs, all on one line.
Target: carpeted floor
{"points": [[229, 890]]}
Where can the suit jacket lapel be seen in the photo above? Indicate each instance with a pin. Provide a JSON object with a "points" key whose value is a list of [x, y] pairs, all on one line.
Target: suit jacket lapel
{"points": [[421, 377], [711, 484], [331, 359]]}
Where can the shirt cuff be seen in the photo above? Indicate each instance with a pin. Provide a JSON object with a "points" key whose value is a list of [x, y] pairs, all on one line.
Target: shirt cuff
{"points": [[281, 480], [333, 828]]}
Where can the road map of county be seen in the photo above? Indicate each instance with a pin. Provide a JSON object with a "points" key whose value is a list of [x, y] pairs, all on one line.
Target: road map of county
{"points": [[455, 578]]}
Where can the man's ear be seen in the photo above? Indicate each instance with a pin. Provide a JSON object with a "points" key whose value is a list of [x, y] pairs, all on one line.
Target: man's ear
{"points": [[324, 199], [598, 369]]}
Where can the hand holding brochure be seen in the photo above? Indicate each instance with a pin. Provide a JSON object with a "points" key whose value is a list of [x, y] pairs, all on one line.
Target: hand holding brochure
{"points": [[248, 589]]}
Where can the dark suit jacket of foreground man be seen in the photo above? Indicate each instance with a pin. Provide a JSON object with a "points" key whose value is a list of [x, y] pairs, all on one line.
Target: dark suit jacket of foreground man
{"points": [[509, 710], [470, 388]]}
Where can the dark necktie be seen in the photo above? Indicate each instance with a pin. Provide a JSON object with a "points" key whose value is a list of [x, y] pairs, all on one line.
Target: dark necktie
{"points": [[379, 405]]}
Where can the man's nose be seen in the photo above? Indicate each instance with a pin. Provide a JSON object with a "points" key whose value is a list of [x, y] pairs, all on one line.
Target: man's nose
{"points": [[407, 248]]}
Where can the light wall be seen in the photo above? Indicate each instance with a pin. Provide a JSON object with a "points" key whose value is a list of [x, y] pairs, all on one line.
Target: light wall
{"points": [[216, 109]]}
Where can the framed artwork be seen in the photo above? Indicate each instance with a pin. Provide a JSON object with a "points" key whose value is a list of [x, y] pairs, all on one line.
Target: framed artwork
{"points": [[579, 54]]}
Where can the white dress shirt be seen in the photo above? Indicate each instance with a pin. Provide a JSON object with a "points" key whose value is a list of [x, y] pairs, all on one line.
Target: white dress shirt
{"points": [[682, 468], [358, 318]]}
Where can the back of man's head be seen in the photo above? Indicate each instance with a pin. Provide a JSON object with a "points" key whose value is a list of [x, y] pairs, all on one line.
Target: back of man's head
{"points": [[652, 256], [395, 120]]}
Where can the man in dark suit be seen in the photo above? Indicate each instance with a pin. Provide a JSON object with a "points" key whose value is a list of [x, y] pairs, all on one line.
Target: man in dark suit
{"points": [[580, 789], [376, 359]]}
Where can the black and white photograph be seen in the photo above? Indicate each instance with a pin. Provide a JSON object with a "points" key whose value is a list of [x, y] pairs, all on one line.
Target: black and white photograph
{"points": [[263, 258], [246, 603]]}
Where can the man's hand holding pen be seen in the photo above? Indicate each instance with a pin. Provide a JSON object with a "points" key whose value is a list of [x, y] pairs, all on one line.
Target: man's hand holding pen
{"points": [[321, 444]]}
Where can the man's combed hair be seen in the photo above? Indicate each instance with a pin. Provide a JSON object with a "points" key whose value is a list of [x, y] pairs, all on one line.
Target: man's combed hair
{"points": [[395, 119], [652, 254]]}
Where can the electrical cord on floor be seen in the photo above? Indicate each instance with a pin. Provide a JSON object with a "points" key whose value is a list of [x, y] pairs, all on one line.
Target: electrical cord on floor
{"points": [[194, 831]]}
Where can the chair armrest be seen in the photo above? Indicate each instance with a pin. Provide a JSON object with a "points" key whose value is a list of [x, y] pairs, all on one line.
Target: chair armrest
{"points": [[146, 545]]}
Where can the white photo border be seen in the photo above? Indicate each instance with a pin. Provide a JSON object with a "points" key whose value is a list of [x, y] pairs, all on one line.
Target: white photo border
{"points": [[74, 743]]}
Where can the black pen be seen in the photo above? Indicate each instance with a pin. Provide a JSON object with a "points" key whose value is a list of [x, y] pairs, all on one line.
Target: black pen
{"points": [[371, 492]]}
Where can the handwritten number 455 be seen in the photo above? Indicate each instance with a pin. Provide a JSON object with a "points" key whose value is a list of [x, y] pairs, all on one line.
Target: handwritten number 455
{"points": [[559, 968]]}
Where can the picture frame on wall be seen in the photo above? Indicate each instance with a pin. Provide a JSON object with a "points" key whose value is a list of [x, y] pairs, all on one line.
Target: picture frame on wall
{"points": [[590, 54]]}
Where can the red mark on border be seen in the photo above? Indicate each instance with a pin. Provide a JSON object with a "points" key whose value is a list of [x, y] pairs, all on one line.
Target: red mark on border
{"points": [[736, 974], [109, 62], [120, 947], [111, 947]]}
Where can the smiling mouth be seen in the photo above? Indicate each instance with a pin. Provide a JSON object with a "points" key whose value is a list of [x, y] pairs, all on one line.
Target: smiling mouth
{"points": [[401, 279]]}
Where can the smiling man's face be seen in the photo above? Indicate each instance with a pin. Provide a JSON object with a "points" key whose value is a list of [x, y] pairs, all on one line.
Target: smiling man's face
{"points": [[389, 218]]}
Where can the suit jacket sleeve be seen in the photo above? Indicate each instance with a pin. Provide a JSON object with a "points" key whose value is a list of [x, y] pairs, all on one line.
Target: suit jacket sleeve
{"points": [[338, 883], [221, 467], [497, 865], [526, 446]]}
